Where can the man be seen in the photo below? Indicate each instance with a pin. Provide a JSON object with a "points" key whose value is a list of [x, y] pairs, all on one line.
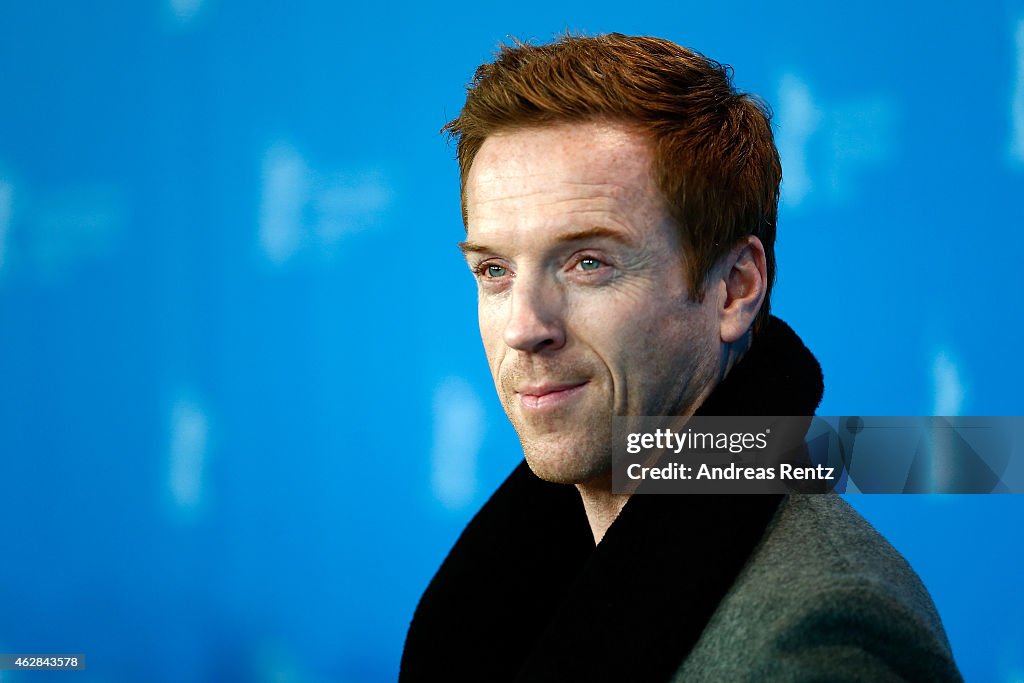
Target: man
{"points": [[620, 201]]}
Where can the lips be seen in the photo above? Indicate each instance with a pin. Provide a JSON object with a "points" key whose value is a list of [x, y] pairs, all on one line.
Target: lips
{"points": [[550, 395]]}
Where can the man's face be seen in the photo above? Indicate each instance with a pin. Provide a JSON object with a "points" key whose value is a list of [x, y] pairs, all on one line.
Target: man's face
{"points": [[583, 305]]}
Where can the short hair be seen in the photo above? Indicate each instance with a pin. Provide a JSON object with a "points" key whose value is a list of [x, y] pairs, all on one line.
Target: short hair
{"points": [[715, 161]]}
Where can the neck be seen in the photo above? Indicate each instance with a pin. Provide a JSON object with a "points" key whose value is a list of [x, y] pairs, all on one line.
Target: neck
{"points": [[601, 505], [731, 354]]}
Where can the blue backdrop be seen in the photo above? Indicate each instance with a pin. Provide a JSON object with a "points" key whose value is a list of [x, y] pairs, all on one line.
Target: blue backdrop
{"points": [[243, 408]]}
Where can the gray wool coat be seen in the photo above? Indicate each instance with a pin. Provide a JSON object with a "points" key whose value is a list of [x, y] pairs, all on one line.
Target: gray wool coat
{"points": [[823, 597]]}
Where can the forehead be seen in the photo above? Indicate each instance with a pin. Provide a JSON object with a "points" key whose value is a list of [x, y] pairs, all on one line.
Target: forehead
{"points": [[561, 173]]}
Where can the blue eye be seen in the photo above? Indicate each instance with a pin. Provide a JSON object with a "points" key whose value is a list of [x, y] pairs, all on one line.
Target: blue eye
{"points": [[496, 271], [589, 264]]}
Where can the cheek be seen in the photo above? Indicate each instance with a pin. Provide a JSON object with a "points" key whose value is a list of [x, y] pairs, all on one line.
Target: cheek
{"points": [[658, 356], [635, 327], [626, 335], [491, 334]]}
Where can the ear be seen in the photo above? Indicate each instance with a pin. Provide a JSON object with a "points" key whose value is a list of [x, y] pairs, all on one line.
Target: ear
{"points": [[745, 280]]}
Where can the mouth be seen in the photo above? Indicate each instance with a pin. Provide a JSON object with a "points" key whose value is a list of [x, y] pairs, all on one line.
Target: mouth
{"points": [[546, 397]]}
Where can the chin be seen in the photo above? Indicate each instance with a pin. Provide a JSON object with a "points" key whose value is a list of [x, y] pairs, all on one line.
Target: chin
{"points": [[564, 467]]}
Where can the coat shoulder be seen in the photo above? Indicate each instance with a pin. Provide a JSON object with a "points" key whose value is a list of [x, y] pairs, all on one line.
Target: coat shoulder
{"points": [[823, 596]]}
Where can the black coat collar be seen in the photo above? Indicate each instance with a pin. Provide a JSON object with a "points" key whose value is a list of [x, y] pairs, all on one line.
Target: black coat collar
{"points": [[525, 596]]}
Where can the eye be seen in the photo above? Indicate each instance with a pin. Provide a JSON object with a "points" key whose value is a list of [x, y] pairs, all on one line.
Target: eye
{"points": [[495, 271], [588, 264]]}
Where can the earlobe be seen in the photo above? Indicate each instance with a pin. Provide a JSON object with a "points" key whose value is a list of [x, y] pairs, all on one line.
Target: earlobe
{"points": [[745, 278]]}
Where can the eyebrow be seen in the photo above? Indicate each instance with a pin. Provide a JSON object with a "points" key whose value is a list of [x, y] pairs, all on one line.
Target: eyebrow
{"points": [[597, 232]]}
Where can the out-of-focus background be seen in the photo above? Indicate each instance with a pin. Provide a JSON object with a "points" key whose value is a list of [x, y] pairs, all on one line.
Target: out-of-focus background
{"points": [[243, 408]]}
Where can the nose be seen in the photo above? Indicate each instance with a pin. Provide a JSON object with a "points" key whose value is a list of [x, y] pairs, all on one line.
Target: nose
{"points": [[535, 321]]}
